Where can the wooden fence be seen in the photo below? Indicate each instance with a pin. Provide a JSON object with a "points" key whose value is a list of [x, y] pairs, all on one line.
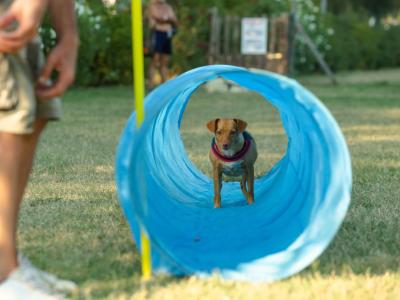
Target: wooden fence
{"points": [[225, 39]]}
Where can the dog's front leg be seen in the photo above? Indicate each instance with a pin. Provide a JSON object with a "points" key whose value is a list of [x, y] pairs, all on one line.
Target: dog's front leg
{"points": [[243, 184], [250, 183], [217, 172]]}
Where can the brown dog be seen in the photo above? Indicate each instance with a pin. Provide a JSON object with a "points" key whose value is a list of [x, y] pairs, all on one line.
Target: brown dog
{"points": [[233, 153]]}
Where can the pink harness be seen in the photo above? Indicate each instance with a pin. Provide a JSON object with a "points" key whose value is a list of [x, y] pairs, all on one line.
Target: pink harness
{"points": [[238, 156]]}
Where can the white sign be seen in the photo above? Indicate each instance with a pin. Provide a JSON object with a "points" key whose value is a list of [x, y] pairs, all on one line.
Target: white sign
{"points": [[254, 36]]}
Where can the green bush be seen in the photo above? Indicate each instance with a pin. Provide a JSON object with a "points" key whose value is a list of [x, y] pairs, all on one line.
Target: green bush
{"points": [[105, 55], [190, 45], [318, 29], [346, 41], [357, 45]]}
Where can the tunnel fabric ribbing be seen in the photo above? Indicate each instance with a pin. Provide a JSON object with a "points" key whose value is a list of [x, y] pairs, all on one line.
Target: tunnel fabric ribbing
{"points": [[300, 202]]}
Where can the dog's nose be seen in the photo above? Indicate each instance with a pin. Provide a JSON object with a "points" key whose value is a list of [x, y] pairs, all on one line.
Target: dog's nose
{"points": [[225, 146]]}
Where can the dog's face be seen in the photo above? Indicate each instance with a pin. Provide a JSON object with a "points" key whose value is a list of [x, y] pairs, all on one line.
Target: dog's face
{"points": [[226, 131]]}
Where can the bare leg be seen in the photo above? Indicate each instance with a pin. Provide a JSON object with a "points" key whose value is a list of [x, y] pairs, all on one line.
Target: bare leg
{"points": [[154, 65], [16, 157], [164, 67]]}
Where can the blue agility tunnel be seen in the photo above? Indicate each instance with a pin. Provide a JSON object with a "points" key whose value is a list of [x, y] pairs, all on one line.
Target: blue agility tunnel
{"points": [[299, 206]]}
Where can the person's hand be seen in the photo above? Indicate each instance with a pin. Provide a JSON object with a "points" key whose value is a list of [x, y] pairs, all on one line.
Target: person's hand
{"points": [[27, 15], [61, 59]]}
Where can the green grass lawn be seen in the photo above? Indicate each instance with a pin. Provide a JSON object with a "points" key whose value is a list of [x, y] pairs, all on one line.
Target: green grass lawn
{"points": [[71, 223]]}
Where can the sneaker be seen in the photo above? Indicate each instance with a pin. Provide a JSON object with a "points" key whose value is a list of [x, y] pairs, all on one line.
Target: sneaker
{"points": [[42, 278], [16, 287]]}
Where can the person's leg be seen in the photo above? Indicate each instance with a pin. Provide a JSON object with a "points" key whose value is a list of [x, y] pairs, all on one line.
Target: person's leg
{"points": [[10, 161], [164, 67], [29, 153], [154, 65], [16, 157]]}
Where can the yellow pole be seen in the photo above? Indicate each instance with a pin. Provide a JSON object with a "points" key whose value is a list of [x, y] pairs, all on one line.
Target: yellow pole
{"points": [[138, 85], [138, 69]]}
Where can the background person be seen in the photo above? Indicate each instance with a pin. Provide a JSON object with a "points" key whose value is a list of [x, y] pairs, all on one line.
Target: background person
{"points": [[162, 21], [27, 103]]}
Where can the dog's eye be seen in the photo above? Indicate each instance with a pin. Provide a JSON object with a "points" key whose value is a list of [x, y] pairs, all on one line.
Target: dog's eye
{"points": [[219, 132]]}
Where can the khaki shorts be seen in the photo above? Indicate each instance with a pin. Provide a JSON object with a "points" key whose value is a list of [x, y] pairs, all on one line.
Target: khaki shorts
{"points": [[19, 107]]}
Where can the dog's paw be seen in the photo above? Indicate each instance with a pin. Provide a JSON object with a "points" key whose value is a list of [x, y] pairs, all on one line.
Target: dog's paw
{"points": [[250, 200]]}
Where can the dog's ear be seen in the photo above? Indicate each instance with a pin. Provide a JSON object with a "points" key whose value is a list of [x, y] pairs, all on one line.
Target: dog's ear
{"points": [[212, 125], [241, 125]]}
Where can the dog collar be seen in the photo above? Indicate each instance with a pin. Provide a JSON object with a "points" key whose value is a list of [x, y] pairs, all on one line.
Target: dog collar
{"points": [[238, 155]]}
